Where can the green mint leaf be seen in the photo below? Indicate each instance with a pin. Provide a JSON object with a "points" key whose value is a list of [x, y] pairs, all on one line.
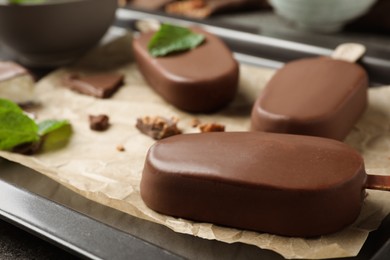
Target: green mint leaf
{"points": [[19, 132], [55, 134], [172, 38], [47, 126], [16, 128], [9, 105]]}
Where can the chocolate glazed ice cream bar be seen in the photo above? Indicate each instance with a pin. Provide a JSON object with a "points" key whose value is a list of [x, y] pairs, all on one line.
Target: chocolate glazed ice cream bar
{"points": [[283, 184], [322, 96], [203, 79]]}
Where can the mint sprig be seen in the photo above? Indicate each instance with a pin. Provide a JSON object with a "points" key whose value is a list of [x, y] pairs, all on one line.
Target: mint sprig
{"points": [[18, 129], [171, 38]]}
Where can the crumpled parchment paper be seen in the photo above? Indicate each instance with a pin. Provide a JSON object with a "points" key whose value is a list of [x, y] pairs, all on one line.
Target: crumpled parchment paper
{"points": [[92, 166]]}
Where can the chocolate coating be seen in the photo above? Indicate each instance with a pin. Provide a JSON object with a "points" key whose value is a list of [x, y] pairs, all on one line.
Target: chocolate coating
{"points": [[277, 183], [315, 96], [203, 79]]}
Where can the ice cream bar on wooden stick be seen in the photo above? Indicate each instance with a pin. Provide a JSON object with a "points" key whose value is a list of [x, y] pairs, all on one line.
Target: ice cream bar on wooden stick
{"points": [[290, 185], [322, 96]]}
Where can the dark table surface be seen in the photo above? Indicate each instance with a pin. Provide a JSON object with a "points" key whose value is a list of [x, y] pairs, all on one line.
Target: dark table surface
{"points": [[16, 243]]}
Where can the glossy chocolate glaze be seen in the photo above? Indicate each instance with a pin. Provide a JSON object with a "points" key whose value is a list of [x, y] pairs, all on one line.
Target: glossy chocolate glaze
{"points": [[315, 96], [203, 79], [276, 183]]}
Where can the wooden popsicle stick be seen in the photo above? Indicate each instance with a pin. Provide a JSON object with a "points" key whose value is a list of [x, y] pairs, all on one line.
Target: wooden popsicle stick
{"points": [[378, 182], [350, 52]]}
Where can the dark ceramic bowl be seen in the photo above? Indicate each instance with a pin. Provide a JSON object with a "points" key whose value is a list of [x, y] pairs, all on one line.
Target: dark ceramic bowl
{"points": [[56, 32]]}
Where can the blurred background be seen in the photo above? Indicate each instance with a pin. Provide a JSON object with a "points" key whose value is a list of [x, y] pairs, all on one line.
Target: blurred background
{"points": [[318, 22]]}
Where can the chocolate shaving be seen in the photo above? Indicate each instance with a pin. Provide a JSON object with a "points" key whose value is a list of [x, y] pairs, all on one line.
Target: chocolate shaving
{"points": [[99, 122], [97, 85], [158, 127]]}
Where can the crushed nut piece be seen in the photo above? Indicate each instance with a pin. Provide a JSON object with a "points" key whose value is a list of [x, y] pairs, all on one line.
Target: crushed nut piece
{"points": [[195, 122], [191, 8], [120, 148], [158, 127], [99, 122], [211, 127]]}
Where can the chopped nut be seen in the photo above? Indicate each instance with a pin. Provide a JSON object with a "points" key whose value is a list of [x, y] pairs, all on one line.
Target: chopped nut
{"points": [[158, 127], [120, 148], [211, 127], [191, 8], [99, 122], [195, 122]]}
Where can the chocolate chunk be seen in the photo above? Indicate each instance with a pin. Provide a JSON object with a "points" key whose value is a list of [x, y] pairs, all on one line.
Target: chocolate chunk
{"points": [[314, 96], [99, 122], [283, 184], [158, 127], [203, 79], [98, 85]]}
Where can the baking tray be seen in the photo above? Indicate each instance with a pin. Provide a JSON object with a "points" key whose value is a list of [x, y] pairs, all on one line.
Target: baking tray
{"points": [[92, 231]]}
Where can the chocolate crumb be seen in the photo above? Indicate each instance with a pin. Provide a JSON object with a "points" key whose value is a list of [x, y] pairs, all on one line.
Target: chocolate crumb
{"points": [[28, 148], [29, 105], [120, 148], [158, 127], [211, 127], [99, 122]]}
